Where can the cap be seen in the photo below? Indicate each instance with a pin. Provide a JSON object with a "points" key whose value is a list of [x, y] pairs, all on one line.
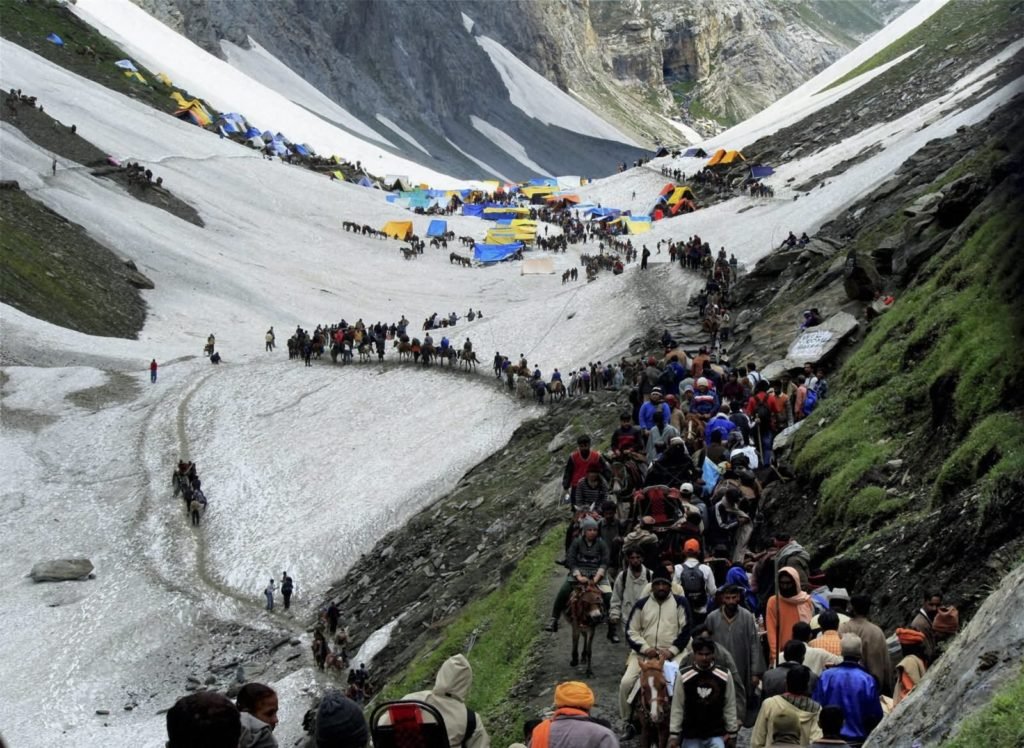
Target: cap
{"points": [[686, 488], [676, 440], [839, 593], [691, 546], [588, 523], [702, 382], [661, 575]]}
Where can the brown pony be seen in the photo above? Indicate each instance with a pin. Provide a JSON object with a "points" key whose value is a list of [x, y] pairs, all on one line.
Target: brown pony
{"points": [[693, 432], [585, 611], [653, 707]]}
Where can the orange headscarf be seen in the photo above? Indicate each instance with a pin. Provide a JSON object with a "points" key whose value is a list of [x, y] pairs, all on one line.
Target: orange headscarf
{"points": [[574, 693], [909, 636]]}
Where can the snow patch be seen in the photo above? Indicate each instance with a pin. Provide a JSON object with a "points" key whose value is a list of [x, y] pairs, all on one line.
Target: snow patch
{"points": [[404, 134], [468, 23], [487, 168], [375, 643], [543, 100]]}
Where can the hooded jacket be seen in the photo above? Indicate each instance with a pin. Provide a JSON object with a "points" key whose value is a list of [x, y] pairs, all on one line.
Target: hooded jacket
{"points": [[256, 733], [782, 612], [451, 687], [801, 708]]}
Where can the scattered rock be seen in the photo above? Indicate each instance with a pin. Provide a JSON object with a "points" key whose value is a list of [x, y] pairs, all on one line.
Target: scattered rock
{"points": [[861, 279], [61, 570], [102, 712]]}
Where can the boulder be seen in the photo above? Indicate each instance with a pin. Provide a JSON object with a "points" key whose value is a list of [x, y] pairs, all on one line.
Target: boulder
{"points": [[861, 280], [61, 570], [785, 437], [959, 198], [813, 344]]}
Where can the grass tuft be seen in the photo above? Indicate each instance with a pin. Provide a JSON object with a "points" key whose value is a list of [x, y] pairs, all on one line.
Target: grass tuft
{"points": [[999, 723]]}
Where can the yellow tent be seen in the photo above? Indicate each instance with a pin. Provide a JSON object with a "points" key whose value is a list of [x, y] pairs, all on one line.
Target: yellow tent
{"points": [[162, 77], [193, 107], [509, 209], [680, 192], [718, 156], [533, 191], [732, 157], [338, 175], [638, 227], [398, 229], [134, 74]]}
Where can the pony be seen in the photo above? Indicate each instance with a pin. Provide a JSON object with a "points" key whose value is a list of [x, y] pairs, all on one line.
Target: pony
{"points": [[557, 391], [653, 707], [693, 432], [468, 359], [448, 355], [365, 351], [585, 611]]}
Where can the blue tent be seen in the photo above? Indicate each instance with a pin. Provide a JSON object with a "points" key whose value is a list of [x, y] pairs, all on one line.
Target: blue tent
{"points": [[472, 209], [695, 153], [757, 171], [495, 252], [544, 182], [229, 126], [55, 39], [301, 150], [437, 228], [365, 182], [252, 132]]}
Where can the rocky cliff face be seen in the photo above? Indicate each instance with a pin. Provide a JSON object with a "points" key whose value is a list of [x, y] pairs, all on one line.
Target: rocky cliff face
{"points": [[633, 62]]}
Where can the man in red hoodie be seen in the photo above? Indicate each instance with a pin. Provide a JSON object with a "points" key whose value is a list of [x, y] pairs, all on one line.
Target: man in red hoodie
{"points": [[579, 463]]}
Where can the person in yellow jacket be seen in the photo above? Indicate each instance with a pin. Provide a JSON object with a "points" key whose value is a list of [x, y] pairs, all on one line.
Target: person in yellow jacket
{"points": [[779, 714]]}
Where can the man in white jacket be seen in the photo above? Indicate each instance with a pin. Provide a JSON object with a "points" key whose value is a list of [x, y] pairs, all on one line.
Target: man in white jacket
{"points": [[627, 589]]}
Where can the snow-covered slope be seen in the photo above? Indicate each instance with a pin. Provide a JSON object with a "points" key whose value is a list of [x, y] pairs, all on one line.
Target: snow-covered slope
{"points": [[304, 467]]}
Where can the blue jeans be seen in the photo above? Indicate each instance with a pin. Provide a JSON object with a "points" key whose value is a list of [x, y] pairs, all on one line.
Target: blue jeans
{"points": [[270, 600], [702, 743]]}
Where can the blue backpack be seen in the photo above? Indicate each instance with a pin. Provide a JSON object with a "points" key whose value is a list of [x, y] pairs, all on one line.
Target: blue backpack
{"points": [[810, 401]]}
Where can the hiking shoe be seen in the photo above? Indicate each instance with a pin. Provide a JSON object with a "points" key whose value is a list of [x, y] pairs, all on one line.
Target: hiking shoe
{"points": [[613, 636], [552, 625], [629, 732]]}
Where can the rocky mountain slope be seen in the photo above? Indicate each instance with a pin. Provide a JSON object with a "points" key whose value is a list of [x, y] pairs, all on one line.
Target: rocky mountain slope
{"points": [[424, 66]]}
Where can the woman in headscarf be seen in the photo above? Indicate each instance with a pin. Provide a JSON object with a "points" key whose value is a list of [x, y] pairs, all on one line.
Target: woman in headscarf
{"points": [[788, 606]]}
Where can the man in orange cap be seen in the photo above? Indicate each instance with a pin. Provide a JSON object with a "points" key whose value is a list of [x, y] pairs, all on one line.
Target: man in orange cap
{"points": [[912, 667], [697, 580], [571, 726]]}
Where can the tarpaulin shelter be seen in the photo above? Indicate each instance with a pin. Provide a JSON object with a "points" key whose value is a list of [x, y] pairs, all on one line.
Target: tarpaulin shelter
{"points": [[538, 266], [192, 110], [569, 183], [716, 157], [695, 153], [398, 229], [252, 132], [638, 227], [472, 209], [127, 65], [496, 213], [365, 181], [338, 175], [437, 227], [495, 252], [393, 182], [51, 37], [759, 171], [163, 78]]}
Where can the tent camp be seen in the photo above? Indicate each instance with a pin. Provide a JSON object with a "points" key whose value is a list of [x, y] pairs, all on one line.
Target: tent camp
{"points": [[494, 252], [718, 156], [695, 153], [398, 229], [192, 110], [437, 228], [663, 151], [538, 266], [393, 182], [731, 157]]}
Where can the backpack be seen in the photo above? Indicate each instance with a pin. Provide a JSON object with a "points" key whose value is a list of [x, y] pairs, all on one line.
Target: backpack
{"points": [[764, 416], [810, 401], [693, 586]]}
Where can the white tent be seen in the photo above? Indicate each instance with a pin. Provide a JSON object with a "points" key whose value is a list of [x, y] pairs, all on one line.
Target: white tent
{"points": [[538, 266]]}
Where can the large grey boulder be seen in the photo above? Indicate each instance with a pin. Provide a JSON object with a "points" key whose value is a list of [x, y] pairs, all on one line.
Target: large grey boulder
{"points": [[813, 344], [61, 570]]}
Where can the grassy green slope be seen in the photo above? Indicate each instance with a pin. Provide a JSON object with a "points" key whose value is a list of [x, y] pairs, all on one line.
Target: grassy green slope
{"points": [[955, 24], [954, 337], [497, 633], [28, 23]]}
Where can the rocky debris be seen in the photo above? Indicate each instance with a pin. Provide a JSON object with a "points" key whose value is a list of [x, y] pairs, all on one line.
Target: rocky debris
{"points": [[9, 184], [62, 570], [135, 278]]}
